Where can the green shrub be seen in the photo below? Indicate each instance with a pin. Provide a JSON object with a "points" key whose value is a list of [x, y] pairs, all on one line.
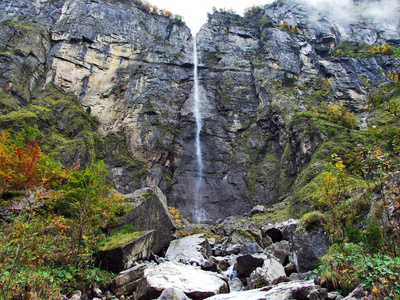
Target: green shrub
{"points": [[313, 218]]}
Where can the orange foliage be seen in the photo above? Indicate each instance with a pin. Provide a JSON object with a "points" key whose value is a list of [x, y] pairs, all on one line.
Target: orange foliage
{"points": [[23, 166]]}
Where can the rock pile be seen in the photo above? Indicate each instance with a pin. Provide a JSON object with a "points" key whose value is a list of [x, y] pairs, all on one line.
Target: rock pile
{"points": [[233, 259]]}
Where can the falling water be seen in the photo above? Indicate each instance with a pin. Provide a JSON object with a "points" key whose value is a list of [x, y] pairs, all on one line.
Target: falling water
{"points": [[199, 213]]}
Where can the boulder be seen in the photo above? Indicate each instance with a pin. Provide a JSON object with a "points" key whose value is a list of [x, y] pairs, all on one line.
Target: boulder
{"points": [[246, 264], [221, 262], [96, 292], [152, 214], [76, 295], [357, 294], [280, 230], [172, 294], [334, 296], [126, 282], [251, 229], [123, 257], [307, 246], [290, 269], [275, 234], [195, 283], [210, 266], [280, 251], [247, 244], [194, 248], [282, 291], [220, 250], [270, 272], [258, 209]]}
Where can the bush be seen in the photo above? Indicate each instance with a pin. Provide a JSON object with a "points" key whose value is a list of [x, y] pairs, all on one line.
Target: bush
{"points": [[178, 19], [59, 222], [313, 218], [347, 265]]}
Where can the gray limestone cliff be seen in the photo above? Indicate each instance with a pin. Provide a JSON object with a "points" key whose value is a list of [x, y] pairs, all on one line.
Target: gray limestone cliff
{"points": [[132, 69]]}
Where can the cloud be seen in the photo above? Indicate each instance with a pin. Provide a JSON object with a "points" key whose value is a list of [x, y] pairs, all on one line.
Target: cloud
{"points": [[379, 10]]}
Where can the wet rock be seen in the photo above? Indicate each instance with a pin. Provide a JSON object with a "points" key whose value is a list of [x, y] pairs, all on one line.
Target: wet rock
{"points": [[195, 283], [247, 244], [190, 248], [134, 70], [230, 249], [221, 262], [301, 276], [269, 274], [274, 233], [307, 246], [320, 294]]}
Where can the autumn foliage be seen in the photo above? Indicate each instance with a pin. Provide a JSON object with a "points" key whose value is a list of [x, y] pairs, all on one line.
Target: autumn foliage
{"points": [[23, 166], [56, 219]]}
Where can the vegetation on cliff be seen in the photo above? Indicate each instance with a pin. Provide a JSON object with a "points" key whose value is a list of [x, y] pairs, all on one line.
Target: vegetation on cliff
{"points": [[53, 220], [357, 194]]}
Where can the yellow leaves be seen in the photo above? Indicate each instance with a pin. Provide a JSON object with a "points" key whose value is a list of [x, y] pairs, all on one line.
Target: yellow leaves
{"points": [[375, 290], [338, 162], [345, 271], [339, 114], [382, 49], [60, 224], [175, 215]]}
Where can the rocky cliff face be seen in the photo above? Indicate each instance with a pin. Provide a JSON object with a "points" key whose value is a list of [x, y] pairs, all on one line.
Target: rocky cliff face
{"points": [[129, 68], [133, 70], [258, 70]]}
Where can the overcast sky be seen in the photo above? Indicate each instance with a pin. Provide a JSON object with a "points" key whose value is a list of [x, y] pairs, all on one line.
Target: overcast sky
{"points": [[195, 12]]}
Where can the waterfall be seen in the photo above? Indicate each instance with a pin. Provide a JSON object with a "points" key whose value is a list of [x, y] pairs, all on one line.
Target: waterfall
{"points": [[199, 213]]}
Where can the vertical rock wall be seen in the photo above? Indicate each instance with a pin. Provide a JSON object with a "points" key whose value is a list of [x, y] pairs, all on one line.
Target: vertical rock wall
{"points": [[133, 70]]}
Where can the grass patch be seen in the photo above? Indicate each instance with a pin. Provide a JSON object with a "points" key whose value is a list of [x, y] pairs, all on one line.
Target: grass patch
{"points": [[275, 213], [120, 238]]}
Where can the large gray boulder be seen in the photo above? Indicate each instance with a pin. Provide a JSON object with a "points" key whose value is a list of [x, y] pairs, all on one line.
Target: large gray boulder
{"points": [[246, 264], [194, 282], [172, 294], [270, 272], [123, 257], [152, 214], [194, 248], [307, 246], [282, 291], [280, 250], [278, 231], [233, 225], [126, 281]]}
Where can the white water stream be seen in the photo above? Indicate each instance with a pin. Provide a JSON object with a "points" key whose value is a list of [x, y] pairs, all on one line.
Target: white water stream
{"points": [[199, 212]]}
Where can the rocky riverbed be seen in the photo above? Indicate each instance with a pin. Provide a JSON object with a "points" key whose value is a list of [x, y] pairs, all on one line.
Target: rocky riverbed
{"points": [[235, 258]]}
